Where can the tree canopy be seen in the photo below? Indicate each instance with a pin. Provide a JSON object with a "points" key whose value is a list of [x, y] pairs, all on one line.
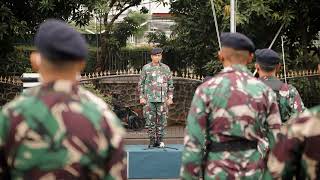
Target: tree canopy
{"points": [[195, 31], [20, 18]]}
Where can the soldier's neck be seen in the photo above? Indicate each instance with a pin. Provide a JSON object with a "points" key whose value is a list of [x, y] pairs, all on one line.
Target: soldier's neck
{"points": [[47, 77], [230, 63], [155, 63], [267, 74]]}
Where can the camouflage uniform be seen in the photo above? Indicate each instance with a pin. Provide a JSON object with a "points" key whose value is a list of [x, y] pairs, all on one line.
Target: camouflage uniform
{"points": [[230, 107], [299, 145], [61, 131], [156, 86], [288, 97]]}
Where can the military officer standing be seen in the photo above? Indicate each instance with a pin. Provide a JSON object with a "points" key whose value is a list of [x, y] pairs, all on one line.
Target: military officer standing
{"points": [[156, 94], [59, 130], [288, 98], [232, 121]]}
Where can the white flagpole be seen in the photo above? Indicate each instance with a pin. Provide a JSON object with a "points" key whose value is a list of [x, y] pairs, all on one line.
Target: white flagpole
{"points": [[284, 62], [232, 17], [215, 22]]}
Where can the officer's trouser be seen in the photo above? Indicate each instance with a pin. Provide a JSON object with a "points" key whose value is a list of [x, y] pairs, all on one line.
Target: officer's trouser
{"points": [[156, 119]]}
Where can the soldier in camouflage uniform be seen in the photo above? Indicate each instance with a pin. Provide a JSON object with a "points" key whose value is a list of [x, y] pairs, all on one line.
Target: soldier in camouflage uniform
{"points": [[156, 94], [232, 121], [59, 130], [289, 100], [299, 145]]}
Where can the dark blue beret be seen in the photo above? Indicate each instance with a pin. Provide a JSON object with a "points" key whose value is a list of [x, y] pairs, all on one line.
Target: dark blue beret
{"points": [[267, 57], [56, 40], [155, 51], [237, 41]]}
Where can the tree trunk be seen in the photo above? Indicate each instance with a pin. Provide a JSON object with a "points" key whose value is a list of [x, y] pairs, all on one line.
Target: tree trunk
{"points": [[103, 60]]}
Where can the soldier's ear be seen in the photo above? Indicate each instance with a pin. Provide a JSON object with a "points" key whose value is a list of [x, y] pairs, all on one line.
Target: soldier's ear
{"points": [[257, 67], [220, 56], [35, 61], [278, 67], [81, 65], [251, 55]]}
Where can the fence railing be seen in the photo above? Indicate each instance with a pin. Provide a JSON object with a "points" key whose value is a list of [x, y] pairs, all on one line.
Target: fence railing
{"points": [[93, 75], [13, 80]]}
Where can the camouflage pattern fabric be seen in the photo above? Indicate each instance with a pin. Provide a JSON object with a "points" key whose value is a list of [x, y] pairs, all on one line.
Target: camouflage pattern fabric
{"points": [[232, 105], [299, 144], [156, 119], [61, 131], [156, 84], [288, 98]]}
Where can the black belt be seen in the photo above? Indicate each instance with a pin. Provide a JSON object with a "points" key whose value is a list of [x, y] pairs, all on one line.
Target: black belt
{"points": [[238, 145]]}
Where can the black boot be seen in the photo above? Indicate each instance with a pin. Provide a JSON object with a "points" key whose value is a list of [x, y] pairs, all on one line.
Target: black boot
{"points": [[151, 143], [156, 144]]}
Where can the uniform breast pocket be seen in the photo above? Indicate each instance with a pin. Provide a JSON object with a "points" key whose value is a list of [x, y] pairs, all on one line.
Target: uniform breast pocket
{"points": [[149, 76], [162, 79]]}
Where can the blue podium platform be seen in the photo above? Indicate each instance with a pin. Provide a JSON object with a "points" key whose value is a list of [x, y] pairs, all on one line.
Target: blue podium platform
{"points": [[156, 163]]}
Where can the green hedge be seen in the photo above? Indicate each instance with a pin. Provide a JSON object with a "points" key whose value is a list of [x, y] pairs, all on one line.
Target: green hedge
{"points": [[28, 40], [309, 89], [18, 61]]}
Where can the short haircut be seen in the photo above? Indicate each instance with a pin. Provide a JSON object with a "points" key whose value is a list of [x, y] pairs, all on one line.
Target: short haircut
{"points": [[60, 64], [267, 68]]}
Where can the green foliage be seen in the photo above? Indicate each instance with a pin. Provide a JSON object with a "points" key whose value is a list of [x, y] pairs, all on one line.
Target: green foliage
{"points": [[157, 37], [136, 57], [195, 32], [195, 40], [139, 18], [129, 26], [14, 63], [213, 67], [27, 15], [112, 41], [18, 62], [10, 26], [91, 62], [22, 18], [309, 89], [171, 54]]}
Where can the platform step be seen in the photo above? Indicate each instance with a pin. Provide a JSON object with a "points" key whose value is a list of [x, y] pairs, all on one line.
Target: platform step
{"points": [[158, 163]]}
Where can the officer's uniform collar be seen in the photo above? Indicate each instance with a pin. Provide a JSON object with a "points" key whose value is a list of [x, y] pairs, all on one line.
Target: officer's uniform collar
{"points": [[159, 64]]}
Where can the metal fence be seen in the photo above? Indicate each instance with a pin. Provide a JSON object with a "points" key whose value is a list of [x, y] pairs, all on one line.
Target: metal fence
{"points": [[126, 60]]}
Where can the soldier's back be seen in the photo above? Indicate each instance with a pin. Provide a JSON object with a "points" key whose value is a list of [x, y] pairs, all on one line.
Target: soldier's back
{"points": [[288, 97], [61, 131], [289, 101], [238, 101], [242, 110]]}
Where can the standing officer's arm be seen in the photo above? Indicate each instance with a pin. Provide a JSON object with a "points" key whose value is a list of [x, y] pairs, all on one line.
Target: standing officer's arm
{"points": [[195, 138], [170, 86], [4, 128], [295, 101], [141, 84]]}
